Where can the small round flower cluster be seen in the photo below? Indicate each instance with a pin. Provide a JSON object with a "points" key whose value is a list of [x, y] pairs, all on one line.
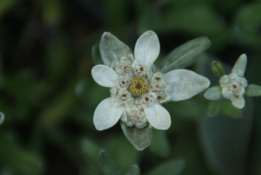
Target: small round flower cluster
{"points": [[137, 86], [233, 86]]}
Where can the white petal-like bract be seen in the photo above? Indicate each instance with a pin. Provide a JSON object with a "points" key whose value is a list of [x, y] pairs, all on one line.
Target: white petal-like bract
{"points": [[104, 75], [147, 48], [239, 103], [184, 84], [157, 116], [112, 49], [107, 114], [213, 93], [240, 66]]}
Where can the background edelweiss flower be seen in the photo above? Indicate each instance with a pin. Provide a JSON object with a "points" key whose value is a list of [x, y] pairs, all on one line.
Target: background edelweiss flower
{"points": [[137, 89], [233, 86], [2, 118]]}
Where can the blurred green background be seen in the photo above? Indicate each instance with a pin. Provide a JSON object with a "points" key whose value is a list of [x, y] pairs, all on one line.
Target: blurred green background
{"points": [[48, 96]]}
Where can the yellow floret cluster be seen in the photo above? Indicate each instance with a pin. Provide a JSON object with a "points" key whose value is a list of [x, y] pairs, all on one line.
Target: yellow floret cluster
{"points": [[138, 86]]}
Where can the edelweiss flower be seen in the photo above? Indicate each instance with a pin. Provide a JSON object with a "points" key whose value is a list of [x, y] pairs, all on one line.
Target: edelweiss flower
{"points": [[137, 87], [232, 86]]}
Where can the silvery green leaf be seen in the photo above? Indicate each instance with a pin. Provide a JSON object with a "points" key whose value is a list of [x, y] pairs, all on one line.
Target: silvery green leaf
{"points": [[253, 90], [214, 108], [112, 49], [217, 69], [213, 93], [139, 138], [96, 56], [186, 54], [108, 165], [173, 167], [159, 144], [134, 170], [240, 65]]}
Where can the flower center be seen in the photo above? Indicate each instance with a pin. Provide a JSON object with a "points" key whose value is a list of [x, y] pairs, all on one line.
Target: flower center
{"points": [[138, 86]]}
